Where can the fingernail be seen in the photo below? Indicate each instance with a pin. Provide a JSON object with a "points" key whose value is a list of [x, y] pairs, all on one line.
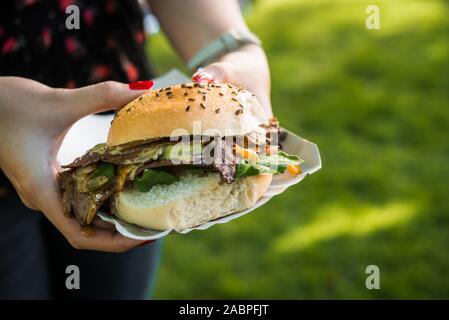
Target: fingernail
{"points": [[145, 243], [202, 76], [141, 85]]}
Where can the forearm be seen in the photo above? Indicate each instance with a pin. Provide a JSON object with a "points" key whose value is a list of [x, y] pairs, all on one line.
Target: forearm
{"points": [[190, 25]]}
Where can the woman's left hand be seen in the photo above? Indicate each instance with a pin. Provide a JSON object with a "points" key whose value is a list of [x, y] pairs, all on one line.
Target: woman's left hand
{"points": [[246, 67]]}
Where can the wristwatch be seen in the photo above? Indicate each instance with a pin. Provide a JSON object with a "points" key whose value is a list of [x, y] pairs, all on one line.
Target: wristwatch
{"points": [[227, 42]]}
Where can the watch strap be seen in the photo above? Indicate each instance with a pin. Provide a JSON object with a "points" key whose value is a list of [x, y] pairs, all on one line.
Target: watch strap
{"points": [[227, 42]]}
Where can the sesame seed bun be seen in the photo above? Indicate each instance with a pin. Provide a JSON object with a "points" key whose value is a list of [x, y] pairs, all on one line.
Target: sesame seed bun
{"points": [[200, 109]]}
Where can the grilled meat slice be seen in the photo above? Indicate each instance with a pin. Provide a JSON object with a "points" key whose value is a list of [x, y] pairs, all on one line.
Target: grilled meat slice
{"points": [[78, 201], [224, 160]]}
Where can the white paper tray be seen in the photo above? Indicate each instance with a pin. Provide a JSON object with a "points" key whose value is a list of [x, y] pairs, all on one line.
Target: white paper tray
{"points": [[293, 145]]}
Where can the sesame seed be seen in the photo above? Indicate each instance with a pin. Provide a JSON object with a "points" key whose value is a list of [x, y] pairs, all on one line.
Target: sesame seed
{"points": [[186, 93], [204, 98], [158, 94], [221, 94], [217, 110], [202, 105], [234, 99], [187, 108], [191, 99]]}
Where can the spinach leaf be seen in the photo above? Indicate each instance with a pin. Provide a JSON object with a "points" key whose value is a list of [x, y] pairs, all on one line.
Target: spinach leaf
{"points": [[247, 170], [151, 177], [274, 164], [292, 157], [104, 169]]}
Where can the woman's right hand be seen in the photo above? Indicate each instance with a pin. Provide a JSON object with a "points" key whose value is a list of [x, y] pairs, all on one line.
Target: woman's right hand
{"points": [[34, 119]]}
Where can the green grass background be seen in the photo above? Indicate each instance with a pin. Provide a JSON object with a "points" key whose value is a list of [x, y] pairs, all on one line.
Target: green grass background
{"points": [[377, 104]]}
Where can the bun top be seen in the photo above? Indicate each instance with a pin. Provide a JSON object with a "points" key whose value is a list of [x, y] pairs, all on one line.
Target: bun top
{"points": [[188, 109]]}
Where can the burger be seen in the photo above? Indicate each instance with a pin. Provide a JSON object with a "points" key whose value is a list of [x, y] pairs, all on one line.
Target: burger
{"points": [[177, 157]]}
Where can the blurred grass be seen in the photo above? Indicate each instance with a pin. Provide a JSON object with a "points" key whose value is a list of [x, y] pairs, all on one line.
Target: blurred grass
{"points": [[377, 105]]}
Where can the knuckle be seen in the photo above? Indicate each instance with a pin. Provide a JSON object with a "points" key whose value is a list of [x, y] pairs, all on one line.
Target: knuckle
{"points": [[107, 88], [28, 187], [59, 93], [121, 249], [24, 191], [222, 70], [28, 204], [75, 244]]}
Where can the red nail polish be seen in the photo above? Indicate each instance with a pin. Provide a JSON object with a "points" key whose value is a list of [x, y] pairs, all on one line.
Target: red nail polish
{"points": [[202, 77], [145, 243], [196, 78], [141, 85]]}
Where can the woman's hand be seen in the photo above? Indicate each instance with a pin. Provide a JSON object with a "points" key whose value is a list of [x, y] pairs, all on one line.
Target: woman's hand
{"points": [[246, 67], [34, 119]]}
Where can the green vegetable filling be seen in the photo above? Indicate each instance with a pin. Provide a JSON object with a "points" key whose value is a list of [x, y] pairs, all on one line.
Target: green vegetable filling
{"points": [[151, 177], [274, 164], [104, 169]]}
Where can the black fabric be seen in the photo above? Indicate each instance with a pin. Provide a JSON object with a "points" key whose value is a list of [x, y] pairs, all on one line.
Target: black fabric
{"points": [[24, 267], [36, 44], [34, 257]]}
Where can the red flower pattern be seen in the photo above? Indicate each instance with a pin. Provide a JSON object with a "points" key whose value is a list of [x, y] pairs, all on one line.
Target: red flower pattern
{"points": [[140, 36], [100, 72], [9, 45], [63, 4], [110, 7], [131, 71], [71, 45], [88, 16], [85, 59], [46, 36]]}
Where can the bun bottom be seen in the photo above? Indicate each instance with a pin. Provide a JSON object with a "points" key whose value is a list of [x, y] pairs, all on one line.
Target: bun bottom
{"points": [[189, 202]]}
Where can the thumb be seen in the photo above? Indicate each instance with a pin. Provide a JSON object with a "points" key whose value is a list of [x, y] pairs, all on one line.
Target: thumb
{"points": [[109, 95], [215, 72]]}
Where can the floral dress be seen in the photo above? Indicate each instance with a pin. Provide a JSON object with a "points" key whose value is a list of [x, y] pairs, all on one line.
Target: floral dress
{"points": [[35, 42]]}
